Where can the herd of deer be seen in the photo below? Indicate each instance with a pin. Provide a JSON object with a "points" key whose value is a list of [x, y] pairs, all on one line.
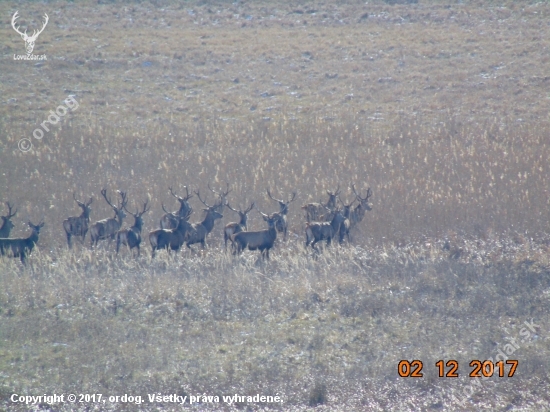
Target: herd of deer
{"points": [[325, 221]]}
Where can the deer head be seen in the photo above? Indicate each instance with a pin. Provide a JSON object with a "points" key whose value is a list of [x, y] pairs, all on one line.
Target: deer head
{"points": [[84, 206], [118, 209], [282, 204], [364, 201]]}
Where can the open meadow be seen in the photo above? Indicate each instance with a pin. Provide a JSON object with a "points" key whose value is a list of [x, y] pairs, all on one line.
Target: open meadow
{"points": [[440, 108]]}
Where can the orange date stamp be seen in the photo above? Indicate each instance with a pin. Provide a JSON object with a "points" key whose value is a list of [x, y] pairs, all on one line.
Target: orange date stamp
{"points": [[449, 369]]}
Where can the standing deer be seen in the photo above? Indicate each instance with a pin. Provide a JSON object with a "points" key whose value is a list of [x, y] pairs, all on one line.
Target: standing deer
{"points": [[358, 213], [234, 227], [315, 210], [198, 231], [20, 247], [132, 237], [346, 224], [170, 219], [107, 228], [317, 231], [261, 240], [170, 239], [7, 224], [282, 223], [78, 225]]}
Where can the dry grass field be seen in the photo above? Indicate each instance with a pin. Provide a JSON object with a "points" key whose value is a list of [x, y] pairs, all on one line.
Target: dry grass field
{"points": [[442, 109]]}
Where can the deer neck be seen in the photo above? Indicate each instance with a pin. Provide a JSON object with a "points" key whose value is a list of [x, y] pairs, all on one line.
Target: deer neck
{"points": [[137, 225], [208, 222], [336, 220], [33, 238], [272, 232]]}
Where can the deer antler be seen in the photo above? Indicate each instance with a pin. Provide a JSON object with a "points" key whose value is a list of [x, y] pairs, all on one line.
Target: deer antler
{"points": [[263, 214], [173, 194], [369, 194], [124, 201], [221, 194], [248, 209], [293, 197], [104, 194], [145, 207], [229, 206], [10, 215], [272, 198], [199, 196], [138, 213]]}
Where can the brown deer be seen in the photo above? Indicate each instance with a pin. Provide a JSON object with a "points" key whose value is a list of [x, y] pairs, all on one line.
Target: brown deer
{"points": [[107, 228], [358, 213], [132, 237], [282, 223], [20, 247], [7, 224], [317, 231], [315, 210], [170, 219], [236, 227], [198, 231], [346, 224], [78, 225], [170, 239], [261, 240]]}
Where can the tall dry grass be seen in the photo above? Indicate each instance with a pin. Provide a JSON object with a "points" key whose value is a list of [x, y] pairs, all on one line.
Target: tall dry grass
{"points": [[451, 176], [327, 329]]}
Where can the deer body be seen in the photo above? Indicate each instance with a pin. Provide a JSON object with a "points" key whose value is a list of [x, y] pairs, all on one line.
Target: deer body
{"points": [[7, 224], [236, 227], [261, 240], [317, 231], [132, 236], [170, 238], [282, 224], [314, 211], [170, 219], [78, 225], [20, 247], [357, 214], [198, 231], [346, 224], [107, 228]]}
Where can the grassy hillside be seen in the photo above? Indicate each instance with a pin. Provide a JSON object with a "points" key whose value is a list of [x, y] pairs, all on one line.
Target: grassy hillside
{"points": [[440, 108]]}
